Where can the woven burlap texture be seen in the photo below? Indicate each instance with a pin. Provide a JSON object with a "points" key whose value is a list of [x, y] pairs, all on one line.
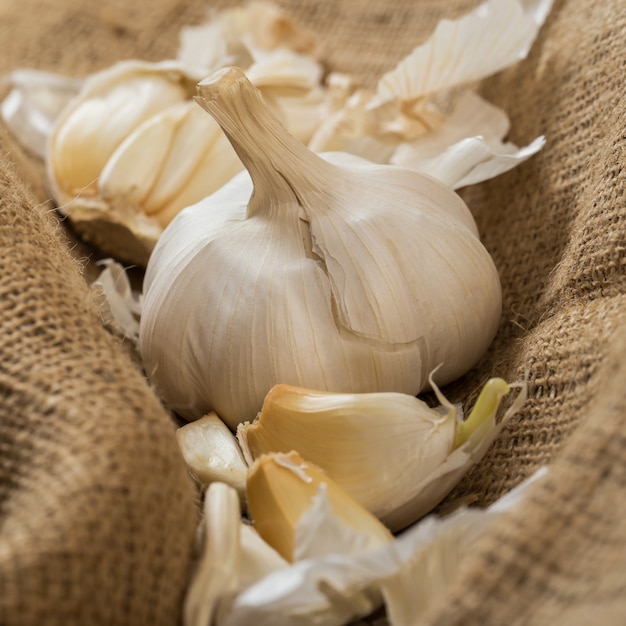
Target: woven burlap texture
{"points": [[96, 513]]}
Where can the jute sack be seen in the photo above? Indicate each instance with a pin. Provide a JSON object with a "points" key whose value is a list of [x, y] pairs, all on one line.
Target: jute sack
{"points": [[96, 512]]}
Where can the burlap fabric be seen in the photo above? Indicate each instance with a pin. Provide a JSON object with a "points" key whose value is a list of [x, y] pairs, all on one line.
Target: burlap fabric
{"points": [[97, 514]]}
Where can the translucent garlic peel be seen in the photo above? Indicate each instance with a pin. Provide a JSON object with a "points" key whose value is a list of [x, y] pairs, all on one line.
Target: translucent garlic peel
{"points": [[331, 589], [118, 303], [493, 36], [33, 104], [344, 275]]}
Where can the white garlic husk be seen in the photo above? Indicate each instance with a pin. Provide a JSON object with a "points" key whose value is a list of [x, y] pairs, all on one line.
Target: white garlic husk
{"points": [[413, 572], [329, 273]]}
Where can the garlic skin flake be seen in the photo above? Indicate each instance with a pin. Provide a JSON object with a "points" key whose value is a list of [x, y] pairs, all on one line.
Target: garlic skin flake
{"points": [[118, 303], [412, 572], [419, 106], [33, 104], [331, 273]]}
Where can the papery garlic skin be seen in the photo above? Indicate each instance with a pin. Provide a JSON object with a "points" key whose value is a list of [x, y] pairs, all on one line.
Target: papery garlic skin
{"points": [[334, 274]]}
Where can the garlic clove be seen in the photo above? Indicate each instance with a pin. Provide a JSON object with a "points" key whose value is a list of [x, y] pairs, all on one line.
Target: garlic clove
{"points": [[217, 570], [281, 487], [212, 453], [218, 165], [391, 452], [376, 446], [108, 108], [194, 137], [134, 167], [477, 435]]}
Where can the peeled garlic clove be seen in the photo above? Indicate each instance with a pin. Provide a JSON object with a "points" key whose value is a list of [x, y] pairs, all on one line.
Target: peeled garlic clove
{"points": [[212, 453], [281, 487], [334, 273], [379, 447]]}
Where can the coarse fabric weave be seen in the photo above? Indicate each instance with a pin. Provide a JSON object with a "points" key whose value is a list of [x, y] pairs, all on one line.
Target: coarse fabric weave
{"points": [[97, 512]]}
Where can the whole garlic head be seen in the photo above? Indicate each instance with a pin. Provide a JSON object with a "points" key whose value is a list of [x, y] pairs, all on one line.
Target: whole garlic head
{"points": [[331, 273]]}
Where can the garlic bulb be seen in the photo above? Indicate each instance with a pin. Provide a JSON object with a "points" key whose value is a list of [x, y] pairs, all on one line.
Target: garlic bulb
{"points": [[120, 151], [330, 273]]}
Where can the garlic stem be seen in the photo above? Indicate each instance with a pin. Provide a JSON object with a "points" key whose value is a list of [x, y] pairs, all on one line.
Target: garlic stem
{"points": [[485, 407], [261, 142]]}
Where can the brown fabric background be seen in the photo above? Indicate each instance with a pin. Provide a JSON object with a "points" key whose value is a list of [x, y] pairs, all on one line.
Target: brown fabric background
{"points": [[96, 512]]}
